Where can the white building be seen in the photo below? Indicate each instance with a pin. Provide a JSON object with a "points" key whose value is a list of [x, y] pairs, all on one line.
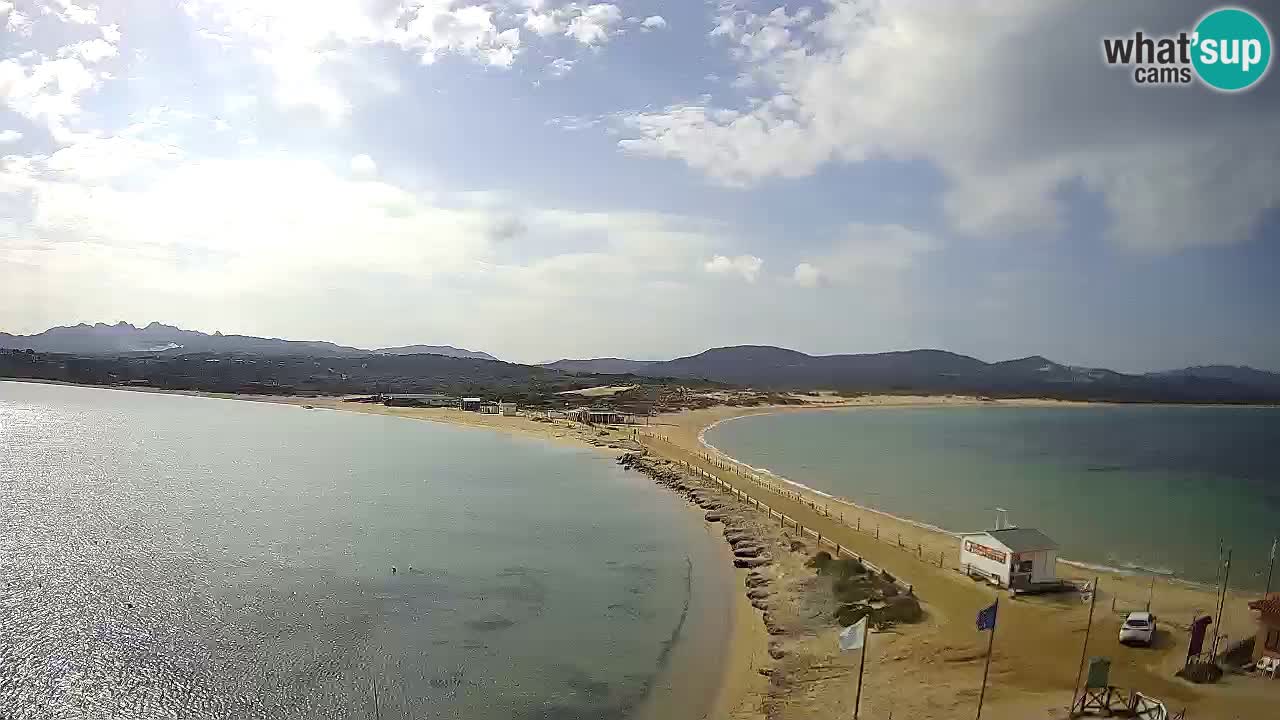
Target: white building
{"points": [[1016, 558], [508, 409]]}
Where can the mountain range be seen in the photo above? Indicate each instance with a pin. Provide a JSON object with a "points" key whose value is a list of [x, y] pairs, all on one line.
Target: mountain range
{"points": [[445, 350], [940, 371], [759, 366], [123, 338]]}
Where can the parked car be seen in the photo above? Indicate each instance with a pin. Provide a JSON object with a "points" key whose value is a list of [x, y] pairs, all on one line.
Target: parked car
{"points": [[1139, 628]]}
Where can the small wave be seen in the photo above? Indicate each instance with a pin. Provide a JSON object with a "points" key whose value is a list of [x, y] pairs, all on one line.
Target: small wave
{"points": [[1147, 570]]}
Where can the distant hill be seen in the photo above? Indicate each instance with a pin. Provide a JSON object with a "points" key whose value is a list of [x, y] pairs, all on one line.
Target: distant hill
{"points": [[610, 366], [445, 350], [763, 367], [940, 371], [122, 337], [1241, 374]]}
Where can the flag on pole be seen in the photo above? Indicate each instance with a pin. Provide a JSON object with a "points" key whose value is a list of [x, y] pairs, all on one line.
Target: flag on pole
{"points": [[987, 618], [1273, 549], [1086, 593], [855, 635]]}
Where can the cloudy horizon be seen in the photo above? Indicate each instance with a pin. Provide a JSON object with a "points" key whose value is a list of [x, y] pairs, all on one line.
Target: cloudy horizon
{"points": [[541, 179]]}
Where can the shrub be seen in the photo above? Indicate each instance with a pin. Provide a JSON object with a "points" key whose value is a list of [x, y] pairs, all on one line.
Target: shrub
{"points": [[820, 560]]}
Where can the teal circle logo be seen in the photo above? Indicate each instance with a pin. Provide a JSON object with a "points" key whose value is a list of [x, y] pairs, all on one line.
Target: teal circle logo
{"points": [[1232, 49]]}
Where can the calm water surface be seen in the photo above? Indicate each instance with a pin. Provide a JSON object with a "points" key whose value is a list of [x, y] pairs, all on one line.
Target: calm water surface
{"points": [[1139, 487], [166, 556]]}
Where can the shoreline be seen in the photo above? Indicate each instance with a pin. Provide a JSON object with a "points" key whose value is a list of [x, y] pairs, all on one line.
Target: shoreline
{"points": [[1086, 565], [716, 685], [1034, 668], [902, 544], [1135, 571]]}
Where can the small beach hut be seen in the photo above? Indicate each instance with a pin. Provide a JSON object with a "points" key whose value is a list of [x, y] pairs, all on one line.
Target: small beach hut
{"points": [[1012, 557], [470, 403]]}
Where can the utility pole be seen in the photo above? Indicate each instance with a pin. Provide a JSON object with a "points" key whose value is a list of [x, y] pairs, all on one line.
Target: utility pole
{"points": [[1271, 567], [1084, 651], [1222, 603]]}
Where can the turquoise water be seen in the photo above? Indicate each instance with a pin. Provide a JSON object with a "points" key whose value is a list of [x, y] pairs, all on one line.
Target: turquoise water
{"points": [[169, 556], [1144, 488]]}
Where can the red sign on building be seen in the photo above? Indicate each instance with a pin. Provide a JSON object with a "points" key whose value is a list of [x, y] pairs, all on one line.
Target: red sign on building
{"points": [[986, 552]]}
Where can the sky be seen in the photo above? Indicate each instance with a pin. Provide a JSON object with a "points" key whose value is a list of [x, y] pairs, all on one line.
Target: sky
{"points": [[646, 178]]}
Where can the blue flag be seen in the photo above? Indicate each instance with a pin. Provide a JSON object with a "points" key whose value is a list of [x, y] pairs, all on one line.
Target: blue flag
{"points": [[987, 618]]}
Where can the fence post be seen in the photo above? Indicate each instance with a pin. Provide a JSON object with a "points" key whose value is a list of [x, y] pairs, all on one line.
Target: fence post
{"points": [[940, 554], [877, 531]]}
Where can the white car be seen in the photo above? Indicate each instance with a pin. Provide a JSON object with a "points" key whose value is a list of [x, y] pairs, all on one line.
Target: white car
{"points": [[1138, 629]]}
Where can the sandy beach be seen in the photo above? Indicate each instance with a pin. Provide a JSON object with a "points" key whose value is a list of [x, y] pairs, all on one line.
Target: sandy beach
{"points": [[1036, 657]]}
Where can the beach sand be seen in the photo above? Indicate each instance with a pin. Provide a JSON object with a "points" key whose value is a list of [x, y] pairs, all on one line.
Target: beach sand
{"points": [[1038, 649]]}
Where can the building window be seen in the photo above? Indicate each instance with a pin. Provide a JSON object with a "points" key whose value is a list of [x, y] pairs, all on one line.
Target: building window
{"points": [[1273, 640], [1025, 566]]}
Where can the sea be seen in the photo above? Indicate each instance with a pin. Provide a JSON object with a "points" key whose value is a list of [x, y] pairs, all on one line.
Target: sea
{"points": [[172, 556], [1145, 489]]}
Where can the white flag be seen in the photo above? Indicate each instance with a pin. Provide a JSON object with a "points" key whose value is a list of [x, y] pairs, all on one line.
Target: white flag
{"points": [[854, 636], [1273, 549]]}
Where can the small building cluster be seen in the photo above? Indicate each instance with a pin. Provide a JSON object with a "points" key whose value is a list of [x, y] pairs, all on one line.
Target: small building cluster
{"points": [[469, 404], [600, 416], [419, 400], [588, 415]]}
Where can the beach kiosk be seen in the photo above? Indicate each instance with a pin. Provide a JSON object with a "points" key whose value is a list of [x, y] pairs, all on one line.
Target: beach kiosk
{"points": [[1021, 559]]}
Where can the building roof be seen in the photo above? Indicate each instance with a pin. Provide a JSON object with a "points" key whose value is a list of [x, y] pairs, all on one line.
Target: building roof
{"points": [[1270, 605], [470, 399], [1023, 539]]}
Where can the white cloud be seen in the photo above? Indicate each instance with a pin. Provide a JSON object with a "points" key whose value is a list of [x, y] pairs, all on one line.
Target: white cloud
{"points": [[653, 22], [919, 81], [9, 136], [807, 275], [69, 11], [864, 252], [746, 266], [17, 21], [560, 66], [215, 37], [593, 24], [469, 30], [543, 24], [91, 51], [92, 160], [48, 91], [363, 166]]}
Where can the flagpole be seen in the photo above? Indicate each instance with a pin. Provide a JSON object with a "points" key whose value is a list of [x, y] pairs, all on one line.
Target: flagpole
{"points": [[857, 700], [1271, 567], [990, 642], [1084, 651], [1222, 606]]}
